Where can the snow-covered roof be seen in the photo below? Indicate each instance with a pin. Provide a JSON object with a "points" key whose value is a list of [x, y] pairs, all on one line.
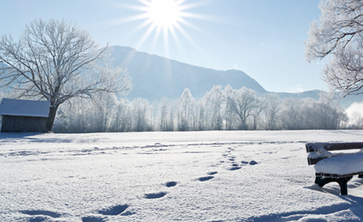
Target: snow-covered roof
{"points": [[17, 107]]}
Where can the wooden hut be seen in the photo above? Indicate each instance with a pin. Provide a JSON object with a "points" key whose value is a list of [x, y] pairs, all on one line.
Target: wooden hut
{"points": [[24, 115]]}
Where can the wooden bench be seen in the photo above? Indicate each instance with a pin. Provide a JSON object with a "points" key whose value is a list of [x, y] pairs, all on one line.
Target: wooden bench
{"points": [[335, 166]]}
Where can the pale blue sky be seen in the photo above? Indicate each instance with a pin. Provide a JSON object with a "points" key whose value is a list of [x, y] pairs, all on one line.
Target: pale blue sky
{"points": [[263, 38]]}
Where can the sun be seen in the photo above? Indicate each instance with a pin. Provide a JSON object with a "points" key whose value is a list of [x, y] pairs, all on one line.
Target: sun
{"points": [[164, 13], [166, 19], [163, 24]]}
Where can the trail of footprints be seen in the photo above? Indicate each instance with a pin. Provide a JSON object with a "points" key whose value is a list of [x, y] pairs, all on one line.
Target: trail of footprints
{"points": [[232, 160], [121, 210]]}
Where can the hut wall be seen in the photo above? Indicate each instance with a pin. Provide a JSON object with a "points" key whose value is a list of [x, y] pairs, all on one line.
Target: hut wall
{"points": [[23, 124]]}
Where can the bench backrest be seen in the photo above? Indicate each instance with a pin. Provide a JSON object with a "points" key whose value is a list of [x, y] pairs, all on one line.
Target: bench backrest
{"points": [[320, 148], [313, 147]]}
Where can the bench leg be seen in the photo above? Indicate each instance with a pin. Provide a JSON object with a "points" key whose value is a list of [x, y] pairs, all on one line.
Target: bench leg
{"points": [[341, 181], [343, 186]]}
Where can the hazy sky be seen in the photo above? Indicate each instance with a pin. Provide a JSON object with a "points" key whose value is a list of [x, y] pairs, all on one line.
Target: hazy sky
{"points": [[263, 38]]}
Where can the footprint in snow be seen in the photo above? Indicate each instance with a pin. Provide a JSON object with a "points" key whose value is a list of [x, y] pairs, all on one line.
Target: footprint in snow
{"points": [[253, 162], [115, 210], [202, 179], [93, 219], [234, 168], [155, 195], [171, 184], [41, 213]]}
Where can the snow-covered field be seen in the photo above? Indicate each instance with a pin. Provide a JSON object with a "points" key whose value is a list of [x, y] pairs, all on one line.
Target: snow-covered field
{"points": [[170, 176]]}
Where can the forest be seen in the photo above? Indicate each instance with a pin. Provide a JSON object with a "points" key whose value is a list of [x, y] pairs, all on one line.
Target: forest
{"points": [[219, 109]]}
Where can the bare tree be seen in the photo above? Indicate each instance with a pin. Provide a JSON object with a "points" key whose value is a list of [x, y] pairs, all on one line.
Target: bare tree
{"points": [[243, 103], [57, 61], [166, 114], [272, 109], [291, 113], [214, 101], [141, 110], [185, 110], [339, 35]]}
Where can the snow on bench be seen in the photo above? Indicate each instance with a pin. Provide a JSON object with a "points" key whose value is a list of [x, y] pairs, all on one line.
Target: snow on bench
{"points": [[337, 167], [341, 165]]}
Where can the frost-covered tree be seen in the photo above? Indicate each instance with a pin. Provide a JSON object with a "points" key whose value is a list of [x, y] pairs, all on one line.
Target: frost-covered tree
{"points": [[122, 120], [229, 113], [185, 112], [320, 115], [57, 61], [166, 115], [291, 114], [214, 101], [141, 113], [272, 108], [102, 114], [355, 121], [74, 116], [242, 104], [331, 114], [201, 125], [339, 35]]}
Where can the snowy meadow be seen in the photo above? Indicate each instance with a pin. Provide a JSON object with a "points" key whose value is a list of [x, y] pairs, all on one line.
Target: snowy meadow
{"points": [[170, 176]]}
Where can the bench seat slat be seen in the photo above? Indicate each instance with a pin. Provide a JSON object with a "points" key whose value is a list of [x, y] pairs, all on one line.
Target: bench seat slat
{"points": [[337, 176], [344, 146]]}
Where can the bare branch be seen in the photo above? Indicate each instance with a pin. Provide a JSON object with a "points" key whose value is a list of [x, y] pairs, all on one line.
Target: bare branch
{"points": [[339, 36]]}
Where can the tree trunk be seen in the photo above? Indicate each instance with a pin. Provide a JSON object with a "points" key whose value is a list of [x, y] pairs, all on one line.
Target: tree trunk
{"points": [[51, 118]]}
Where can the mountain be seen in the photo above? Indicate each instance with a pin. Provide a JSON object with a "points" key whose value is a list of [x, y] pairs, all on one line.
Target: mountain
{"points": [[315, 94], [154, 77]]}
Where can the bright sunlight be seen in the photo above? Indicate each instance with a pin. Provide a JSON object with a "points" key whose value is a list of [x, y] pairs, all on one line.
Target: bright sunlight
{"points": [[165, 22], [166, 19], [164, 13]]}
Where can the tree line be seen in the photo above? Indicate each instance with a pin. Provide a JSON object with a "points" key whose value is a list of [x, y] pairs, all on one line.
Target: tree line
{"points": [[219, 109]]}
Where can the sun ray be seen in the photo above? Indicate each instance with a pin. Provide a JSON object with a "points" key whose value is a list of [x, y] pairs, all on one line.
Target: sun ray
{"points": [[145, 36], [165, 24]]}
